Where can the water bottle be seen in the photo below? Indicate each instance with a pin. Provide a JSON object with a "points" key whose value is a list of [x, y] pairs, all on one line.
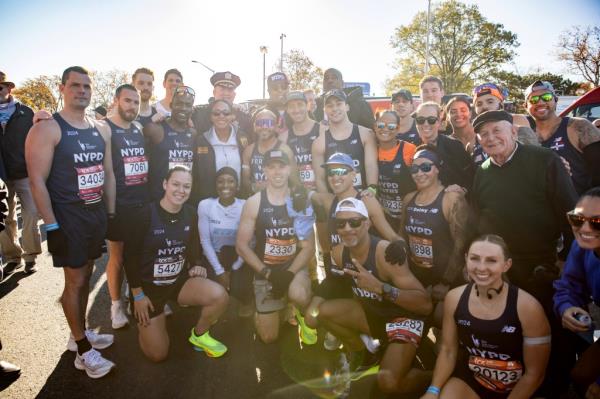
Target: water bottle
{"points": [[341, 378], [588, 335]]}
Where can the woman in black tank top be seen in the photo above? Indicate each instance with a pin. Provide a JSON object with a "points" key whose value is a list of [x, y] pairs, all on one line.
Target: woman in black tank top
{"points": [[495, 338]]}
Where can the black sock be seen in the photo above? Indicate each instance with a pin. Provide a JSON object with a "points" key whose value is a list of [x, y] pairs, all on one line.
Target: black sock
{"points": [[83, 345]]}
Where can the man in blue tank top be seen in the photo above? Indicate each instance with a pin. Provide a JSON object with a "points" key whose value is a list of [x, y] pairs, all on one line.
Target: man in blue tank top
{"points": [[143, 80], [70, 168], [576, 140]]}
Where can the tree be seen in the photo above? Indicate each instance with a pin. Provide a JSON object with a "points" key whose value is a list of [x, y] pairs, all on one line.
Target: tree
{"points": [[580, 48], [464, 45], [40, 93], [301, 71], [516, 84], [105, 84]]}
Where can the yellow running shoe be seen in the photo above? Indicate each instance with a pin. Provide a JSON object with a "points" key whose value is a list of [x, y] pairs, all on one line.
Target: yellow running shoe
{"points": [[307, 335], [206, 343]]}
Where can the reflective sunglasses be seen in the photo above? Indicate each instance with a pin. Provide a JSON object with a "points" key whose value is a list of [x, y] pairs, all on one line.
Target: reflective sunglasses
{"points": [[546, 97], [183, 90], [264, 123], [390, 126], [353, 222], [578, 220], [424, 167], [220, 113], [337, 171], [430, 119]]}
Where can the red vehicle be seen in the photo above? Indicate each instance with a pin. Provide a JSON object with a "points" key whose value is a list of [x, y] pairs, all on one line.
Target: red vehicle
{"points": [[379, 104], [586, 106]]}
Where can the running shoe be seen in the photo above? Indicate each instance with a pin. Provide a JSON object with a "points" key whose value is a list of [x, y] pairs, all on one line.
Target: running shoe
{"points": [[363, 364], [30, 267], [370, 343], [331, 342], [206, 343], [98, 341], [308, 335], [118, 317], [94, 365]]}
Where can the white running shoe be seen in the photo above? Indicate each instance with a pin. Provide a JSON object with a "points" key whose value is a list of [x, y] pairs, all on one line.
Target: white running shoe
{"points": [[93, 363], [117, 316], [371, 343], [98, 341], [331, 342]]}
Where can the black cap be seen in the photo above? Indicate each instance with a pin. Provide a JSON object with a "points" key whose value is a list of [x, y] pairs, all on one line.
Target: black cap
{"points": [[276, 78], [406, 94], [295, 95], [337, 93], [491, 116], [226, 79], [101, 110], [276, 155]]}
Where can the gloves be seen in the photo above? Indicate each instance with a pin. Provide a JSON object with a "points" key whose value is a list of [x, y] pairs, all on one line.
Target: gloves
{"points": [[112, 228], [395, 253], [280, 280], [57, 242], [227, 256], [299, 196]]}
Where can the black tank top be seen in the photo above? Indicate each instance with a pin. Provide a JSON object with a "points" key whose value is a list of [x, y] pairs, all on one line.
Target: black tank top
{"points": [[257, 174], [411, 135], [302, 148], [176, 148], [492, 350], [429, 239], [478, 156], [352, 146], [334, 238], [560, 143], [164, 247], [275, 235], [144, 120], [77, 172], [395, 181], [130, 164]]}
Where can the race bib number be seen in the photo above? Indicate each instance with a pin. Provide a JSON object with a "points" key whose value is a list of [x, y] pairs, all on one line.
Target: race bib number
{"points": [[393, 207], [496, 375], [279, 251], [307, 176], [90, 181], [405, 330], [421, 250], [187, 164], [136, 170], [166, 273]]}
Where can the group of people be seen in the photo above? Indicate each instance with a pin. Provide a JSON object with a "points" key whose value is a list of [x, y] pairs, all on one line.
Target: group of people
{"points": [[453, 215]]}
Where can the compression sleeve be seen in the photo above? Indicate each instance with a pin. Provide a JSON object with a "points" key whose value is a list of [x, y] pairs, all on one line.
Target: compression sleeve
{"points": [[132, 246], [205, 239]]}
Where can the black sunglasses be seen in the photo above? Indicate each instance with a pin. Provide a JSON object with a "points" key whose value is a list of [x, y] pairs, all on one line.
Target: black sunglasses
{"points": [[425, 167], [578, 220], [430, 119], [353, 222], [221, 113]]}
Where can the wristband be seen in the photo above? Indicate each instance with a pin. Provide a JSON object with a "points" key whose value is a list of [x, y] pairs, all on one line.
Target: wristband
{"points": [[51, 226], [139, 296], [372, 188], [433, 389]]}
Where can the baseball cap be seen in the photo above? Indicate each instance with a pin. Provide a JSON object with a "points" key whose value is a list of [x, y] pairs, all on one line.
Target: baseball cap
{"points": [[276, 155], [488, 88], [352, 204], [339, 158], [491, 116], [404, 93], [295, 95], [337, 93], [539, 85], [276, 78], [226, 79]]}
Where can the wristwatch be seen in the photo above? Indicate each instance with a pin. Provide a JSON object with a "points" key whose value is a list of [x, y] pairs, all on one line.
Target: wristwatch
{"points": [[387, 289]]}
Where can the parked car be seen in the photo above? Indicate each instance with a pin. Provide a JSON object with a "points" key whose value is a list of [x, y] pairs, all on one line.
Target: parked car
{"points": [[586, 106]]}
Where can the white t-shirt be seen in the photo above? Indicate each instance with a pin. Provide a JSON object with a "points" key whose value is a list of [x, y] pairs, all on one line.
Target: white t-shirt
{"points": [[226, 153]]}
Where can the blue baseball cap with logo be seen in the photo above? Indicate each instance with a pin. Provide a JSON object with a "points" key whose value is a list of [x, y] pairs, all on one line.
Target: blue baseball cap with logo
{"points": [[339, 158]]}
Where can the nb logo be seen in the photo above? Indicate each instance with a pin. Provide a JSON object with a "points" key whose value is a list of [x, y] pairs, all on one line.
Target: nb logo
{"points": [[508, 329]]}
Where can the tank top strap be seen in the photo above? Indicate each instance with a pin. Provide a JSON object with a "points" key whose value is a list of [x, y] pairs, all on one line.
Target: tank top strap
{"points": [[510, 310], [371, 257], [462, 308], [355, 132]]}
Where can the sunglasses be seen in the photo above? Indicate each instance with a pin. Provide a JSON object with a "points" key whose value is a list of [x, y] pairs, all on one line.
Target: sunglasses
{"points": [[430, 119], [578, 220], [546, 97], [183, 90], [264, 123], [390, 126], [337, 172], [424, 167], [220, 113], [353, 222]]}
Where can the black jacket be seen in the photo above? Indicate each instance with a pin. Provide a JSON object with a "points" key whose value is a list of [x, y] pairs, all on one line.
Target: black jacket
{"points": [[360, 110], [12, 142], [457, 165]]}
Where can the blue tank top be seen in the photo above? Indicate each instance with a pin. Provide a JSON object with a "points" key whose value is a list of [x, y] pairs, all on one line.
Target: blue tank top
{"points": [[429, 240], [164, 247], [395, 181], [176, 148], [130, 164], [77, 172], [352, 146], [560, 143], [257, 175], [275, 235], [302, 148], [411, 135]]}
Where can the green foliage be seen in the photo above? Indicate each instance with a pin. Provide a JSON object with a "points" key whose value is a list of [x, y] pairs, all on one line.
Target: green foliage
{"points": [[301, 71], [40, 93]]}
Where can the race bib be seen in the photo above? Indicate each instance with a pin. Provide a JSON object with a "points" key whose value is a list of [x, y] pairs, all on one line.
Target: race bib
{"points": [[136, 170], [166, 273], [421, 250], [307, 176], [187, 164], [90, 181], [496, 375], [405, 330], [279, 251], [357, 181], [393, 207]]}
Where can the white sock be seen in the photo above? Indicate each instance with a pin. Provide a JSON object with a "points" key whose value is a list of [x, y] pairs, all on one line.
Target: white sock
{"points": [[116, 303]]}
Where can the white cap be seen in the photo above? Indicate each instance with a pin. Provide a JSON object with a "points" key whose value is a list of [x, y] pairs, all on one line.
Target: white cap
{"points": [[352, 204]]}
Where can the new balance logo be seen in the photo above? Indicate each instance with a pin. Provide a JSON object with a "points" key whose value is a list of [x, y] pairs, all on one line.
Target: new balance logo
{"points": [[509, 329]]}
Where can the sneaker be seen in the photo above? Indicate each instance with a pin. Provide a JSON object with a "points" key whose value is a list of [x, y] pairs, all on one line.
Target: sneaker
{"points": [[12, 266], [308, 335], [118, 317], [98, 341], [363, 364], [206, 343], [30, 267], [331, 342], [93, 363], [371, 343]]}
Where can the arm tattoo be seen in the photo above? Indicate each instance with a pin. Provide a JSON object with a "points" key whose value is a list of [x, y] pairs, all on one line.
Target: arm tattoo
{"points": [[587, 133], [393, 295]]}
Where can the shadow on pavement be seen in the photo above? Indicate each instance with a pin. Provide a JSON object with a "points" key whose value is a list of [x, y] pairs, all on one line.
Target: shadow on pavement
{"points": [[11, 281]]}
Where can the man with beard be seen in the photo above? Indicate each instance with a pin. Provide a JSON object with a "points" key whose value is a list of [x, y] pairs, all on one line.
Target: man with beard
{"points": [[70, 170], [143, 80], [402, 103], [576, 140], [278, 87], [130, 166], [173, 79]]}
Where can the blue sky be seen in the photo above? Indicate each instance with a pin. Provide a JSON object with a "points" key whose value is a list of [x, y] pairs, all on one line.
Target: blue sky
{"points": [[44, 37]]}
